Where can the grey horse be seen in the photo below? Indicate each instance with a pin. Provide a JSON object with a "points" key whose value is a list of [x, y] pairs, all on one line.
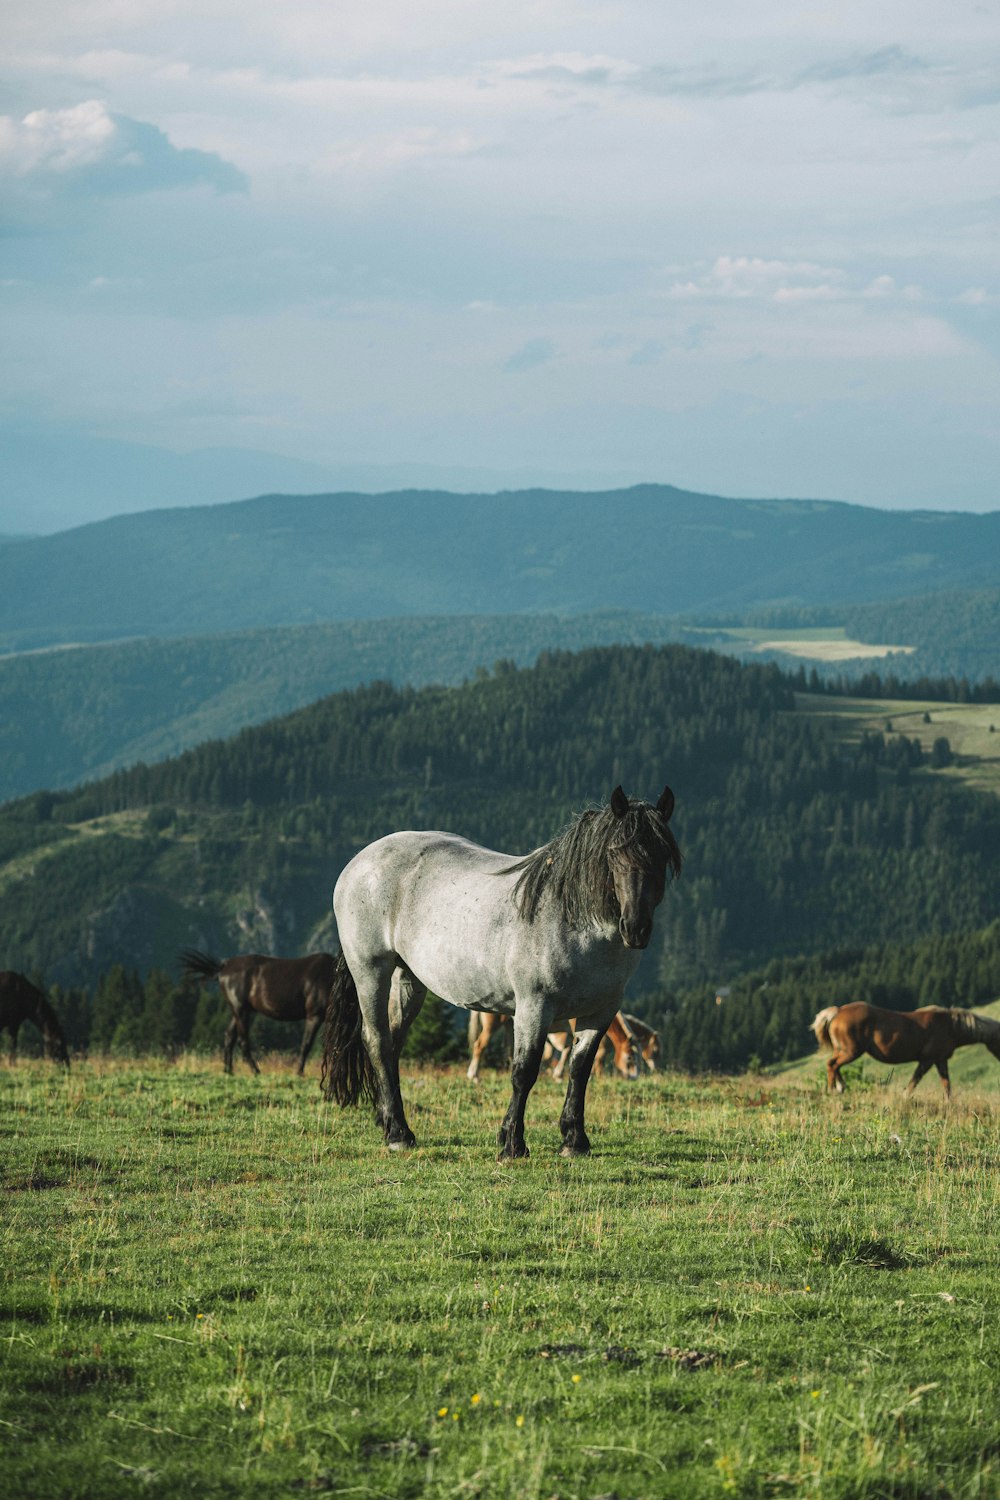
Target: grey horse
{"points": [[555, 934]]}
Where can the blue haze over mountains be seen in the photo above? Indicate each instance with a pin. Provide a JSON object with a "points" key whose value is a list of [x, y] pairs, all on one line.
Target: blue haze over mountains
{"points": [[282, 559]]}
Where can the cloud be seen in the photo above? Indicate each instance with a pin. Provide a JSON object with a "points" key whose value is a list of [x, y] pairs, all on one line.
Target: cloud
{"points": [[530, 355], [754, 278], [88, 149]]}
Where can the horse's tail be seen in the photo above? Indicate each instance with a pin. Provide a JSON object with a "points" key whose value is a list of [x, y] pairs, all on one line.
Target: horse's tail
{"points": [[348, 1076], [198, 965], [821, 1027]]}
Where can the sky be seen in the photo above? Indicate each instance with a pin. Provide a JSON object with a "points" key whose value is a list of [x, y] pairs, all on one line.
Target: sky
{"points": [[744, 248]]}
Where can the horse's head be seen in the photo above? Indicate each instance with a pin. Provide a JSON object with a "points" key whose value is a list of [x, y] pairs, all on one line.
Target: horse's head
{"points": [[640, 858], [55, 1047], [627, 1058]]}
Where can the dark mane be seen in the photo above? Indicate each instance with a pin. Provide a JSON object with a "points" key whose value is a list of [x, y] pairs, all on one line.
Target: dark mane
{"points": [[576, 865]]}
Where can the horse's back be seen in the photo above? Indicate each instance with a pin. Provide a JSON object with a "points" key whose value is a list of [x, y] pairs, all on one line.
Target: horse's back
{"points": [[18, 997]]}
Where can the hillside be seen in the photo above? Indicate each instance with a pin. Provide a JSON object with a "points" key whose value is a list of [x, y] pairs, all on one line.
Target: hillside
{"points": [[281, 560], [70, 714], [794, 836]]}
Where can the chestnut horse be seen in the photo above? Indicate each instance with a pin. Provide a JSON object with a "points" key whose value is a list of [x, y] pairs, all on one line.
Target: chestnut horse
{"points": [[647, 1040], [484, 1026], [618, 1036], [927, 1037], [286, 989], [20, 1000]]}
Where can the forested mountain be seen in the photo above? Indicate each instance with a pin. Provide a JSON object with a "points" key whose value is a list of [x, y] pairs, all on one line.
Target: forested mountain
{"points": [[956, 633], [70, 714], [795, 841], [764, 1015], [286, 559]]}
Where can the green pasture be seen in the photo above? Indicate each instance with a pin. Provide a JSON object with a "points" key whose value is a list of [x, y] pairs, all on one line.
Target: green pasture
{"points": [[221, 1287], [971, 729]]}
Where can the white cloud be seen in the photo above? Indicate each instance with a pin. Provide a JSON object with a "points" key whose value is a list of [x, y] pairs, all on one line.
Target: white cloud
{"points": [[88, 147]]}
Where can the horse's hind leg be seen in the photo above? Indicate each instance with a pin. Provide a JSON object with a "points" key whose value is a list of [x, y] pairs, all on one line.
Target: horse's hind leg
{"points": [[529, 1042], [243, 1028], [406, 996], [833, 1067], [373, 980], [586, 1045], [918, 1073], [228, 1045]]}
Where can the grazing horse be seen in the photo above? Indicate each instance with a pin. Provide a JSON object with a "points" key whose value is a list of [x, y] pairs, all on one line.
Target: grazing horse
{"points": [[553, 934], [484, 1026], [647, 1039], [927, 1037], [20, 1000], [618, 1036], [285, 989]]}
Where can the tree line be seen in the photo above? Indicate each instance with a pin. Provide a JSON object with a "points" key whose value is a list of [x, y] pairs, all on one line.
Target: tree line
{"points": [[793, 838]]}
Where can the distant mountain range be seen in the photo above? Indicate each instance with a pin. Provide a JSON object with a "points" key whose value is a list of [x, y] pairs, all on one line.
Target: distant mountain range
{"points": [[283, 559]]}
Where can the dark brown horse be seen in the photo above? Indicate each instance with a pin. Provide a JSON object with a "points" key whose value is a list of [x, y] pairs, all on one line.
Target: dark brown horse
{"points": [[285, 989], [927, 1037], [20, 1001]]}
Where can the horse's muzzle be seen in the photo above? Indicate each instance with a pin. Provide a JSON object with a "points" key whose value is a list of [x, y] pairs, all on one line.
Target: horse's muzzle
{"points": [[635, 935]]}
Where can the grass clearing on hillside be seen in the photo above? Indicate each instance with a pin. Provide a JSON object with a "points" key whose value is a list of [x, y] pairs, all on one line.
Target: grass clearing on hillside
{"points": [[226, 1286], [829, 643], [972, 729]]}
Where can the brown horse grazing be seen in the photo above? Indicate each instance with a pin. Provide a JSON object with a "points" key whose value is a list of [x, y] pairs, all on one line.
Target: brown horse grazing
{"points": [[927, 1037], [285, 989], [648, 1040], [484, 1025], [618, 1036], [20, 1000]]}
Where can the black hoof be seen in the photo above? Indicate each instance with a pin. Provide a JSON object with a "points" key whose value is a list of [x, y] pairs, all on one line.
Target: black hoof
{"points": [[576, 1150], [514, 1153]]}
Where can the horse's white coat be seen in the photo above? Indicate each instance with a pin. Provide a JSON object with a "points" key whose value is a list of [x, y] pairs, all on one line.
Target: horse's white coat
{"points": [[443, 908]]}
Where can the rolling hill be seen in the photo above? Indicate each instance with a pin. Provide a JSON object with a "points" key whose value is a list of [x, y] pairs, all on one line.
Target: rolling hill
{"points": [[281, 559], [797, 836]]}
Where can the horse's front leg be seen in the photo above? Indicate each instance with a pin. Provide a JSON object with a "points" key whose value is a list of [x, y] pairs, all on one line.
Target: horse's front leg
{"points": [[571, 1122], [531, 1021], [313, 1024], [243, 1027], [942, 1068]]}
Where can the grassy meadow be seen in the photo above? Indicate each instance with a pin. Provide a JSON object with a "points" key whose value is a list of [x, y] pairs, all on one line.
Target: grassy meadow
{"points": [[227, 1287]]}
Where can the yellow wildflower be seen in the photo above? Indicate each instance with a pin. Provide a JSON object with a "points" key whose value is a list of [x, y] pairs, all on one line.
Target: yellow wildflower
{"points": [[576, 1379], [442, 1411], [518, 1421]]}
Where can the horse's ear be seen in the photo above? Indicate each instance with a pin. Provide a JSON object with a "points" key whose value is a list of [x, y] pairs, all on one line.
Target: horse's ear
{"points": [[665, 806], [619, 802]]}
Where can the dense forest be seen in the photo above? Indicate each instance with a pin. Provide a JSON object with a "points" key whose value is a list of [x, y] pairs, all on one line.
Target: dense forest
{"points": [[763, 1016], [757, 1019], [795, 841]]}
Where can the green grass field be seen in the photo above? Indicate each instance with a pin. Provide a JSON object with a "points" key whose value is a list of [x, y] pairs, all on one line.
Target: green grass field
{"points": [[221, 1286]]}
